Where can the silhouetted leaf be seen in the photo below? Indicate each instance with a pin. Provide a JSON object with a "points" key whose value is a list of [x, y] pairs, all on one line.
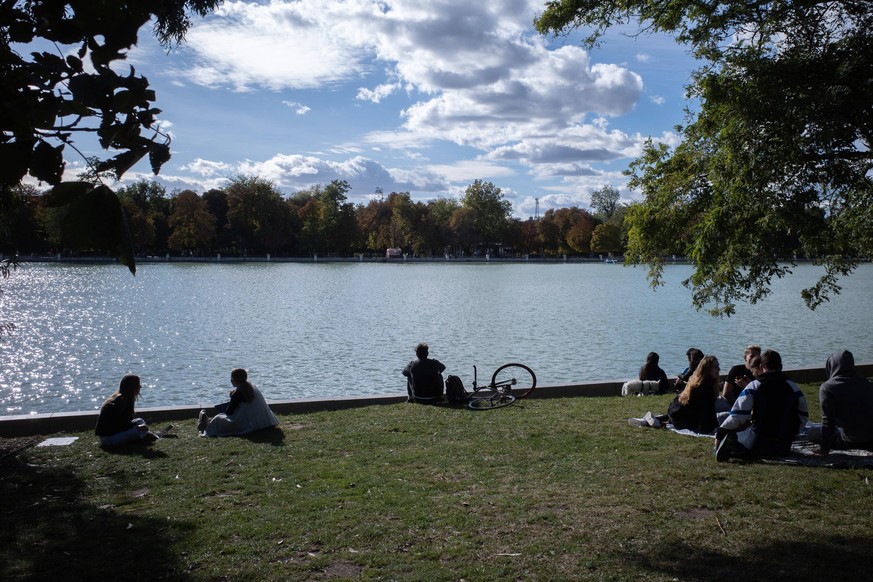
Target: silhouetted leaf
{"points": [[159, 153], [47, 163]]}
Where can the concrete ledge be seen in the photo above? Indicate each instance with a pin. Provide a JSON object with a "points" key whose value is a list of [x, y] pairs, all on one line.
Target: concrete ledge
{"points": [[56, 422]]}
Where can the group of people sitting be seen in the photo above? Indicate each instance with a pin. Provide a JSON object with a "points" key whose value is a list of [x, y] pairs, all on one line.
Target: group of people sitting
{"points": [[757, 410], [246, 412]]}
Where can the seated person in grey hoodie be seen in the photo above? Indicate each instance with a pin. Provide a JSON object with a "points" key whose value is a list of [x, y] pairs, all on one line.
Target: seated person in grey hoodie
{"points": [[846, 407]]}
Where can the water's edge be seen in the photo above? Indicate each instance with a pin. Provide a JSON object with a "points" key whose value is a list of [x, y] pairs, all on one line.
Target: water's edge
{"points": [[58, 422]]}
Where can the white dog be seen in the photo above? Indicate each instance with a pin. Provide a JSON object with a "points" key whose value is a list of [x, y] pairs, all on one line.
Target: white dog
{"points": [[640, 388]]}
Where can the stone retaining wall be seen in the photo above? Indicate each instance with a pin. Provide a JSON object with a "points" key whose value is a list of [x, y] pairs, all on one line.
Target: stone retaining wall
{"points": [[58, 422]]}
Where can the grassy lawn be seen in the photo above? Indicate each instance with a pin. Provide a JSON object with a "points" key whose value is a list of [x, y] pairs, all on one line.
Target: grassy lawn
{"points": [[547, 489]]}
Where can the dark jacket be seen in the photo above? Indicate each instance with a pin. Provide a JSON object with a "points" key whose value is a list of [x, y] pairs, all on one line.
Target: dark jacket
{"points": [[846, 402], [115, 416], [242, 393], [774, 415], [657, 374], [699, 414], [424, 380]]}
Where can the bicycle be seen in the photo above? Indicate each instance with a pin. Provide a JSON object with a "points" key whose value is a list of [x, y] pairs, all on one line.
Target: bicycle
{"points": [[510, 382]]}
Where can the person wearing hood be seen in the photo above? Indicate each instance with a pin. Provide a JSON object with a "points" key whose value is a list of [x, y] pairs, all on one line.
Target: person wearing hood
{"points": [[846, 406]]}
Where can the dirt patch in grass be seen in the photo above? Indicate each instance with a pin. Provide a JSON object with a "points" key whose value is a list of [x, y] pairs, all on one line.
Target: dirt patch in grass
{"points": [[342, 569]]}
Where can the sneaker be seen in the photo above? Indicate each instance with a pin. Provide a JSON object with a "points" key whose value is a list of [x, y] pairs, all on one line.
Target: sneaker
{"points": [[202, 421], [164, 431], [651, 420], [637, 422]]}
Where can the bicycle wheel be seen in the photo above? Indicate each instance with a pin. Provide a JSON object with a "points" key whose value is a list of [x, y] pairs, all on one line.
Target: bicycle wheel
{"points": [[519, 377], [490, 403]]}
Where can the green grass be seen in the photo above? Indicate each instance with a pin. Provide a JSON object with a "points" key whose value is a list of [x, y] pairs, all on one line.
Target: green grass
{"points": [[546, 489]]}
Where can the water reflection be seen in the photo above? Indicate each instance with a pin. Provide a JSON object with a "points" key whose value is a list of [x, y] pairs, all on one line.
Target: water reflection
{"points": [[317, 330]]}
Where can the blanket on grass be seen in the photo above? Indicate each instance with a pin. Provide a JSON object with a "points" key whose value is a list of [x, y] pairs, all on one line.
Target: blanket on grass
{"points": [[802, 453]]}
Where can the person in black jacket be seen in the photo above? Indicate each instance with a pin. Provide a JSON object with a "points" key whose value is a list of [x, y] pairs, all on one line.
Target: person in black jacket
{"points": [[424, 377], [116, 423], [694, 407], [694, 356], [740, 375], [652, 371]]}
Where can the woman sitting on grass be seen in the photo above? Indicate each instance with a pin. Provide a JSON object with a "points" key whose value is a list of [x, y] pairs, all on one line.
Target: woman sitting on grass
{"points": [[694, 408], [116, 424], [247, 411]]}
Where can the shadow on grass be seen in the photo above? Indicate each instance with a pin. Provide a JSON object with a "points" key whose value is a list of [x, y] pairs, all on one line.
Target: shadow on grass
{"points": [[831, 557], [48, 533], [272, 436], [137, 449]]}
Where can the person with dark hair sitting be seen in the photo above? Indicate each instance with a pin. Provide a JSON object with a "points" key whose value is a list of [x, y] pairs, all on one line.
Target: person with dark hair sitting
{"points": [[246, 412], [766, 416], [740, 375], [116, 423], [694, 356], [653, 372], [424, 377]]}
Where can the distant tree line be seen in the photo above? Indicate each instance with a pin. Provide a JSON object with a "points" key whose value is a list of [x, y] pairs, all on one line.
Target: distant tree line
{"points": [[250, 217]]}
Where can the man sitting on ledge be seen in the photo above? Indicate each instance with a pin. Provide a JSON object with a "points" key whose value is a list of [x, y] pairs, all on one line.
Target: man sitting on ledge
{"points": [[424, 377]]}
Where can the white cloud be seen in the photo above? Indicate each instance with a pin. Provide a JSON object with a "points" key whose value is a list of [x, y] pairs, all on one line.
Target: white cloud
{"points": [[469, 170], [298, 108], [376, 95], [295, 172], [207, 169], [473, 75], [276, 45], [485, 78]]}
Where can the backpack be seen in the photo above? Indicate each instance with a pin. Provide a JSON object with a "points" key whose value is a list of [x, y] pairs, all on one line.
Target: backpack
{"points": [[455, 391]]}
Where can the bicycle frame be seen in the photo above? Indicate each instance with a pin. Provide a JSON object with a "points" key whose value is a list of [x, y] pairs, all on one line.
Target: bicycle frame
{"points": [[508, 383], [504, 387]]}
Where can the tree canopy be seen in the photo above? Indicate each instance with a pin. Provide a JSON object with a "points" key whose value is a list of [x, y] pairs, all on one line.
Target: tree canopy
{"points": [[775, 159], [67, 87], [251, 217]]}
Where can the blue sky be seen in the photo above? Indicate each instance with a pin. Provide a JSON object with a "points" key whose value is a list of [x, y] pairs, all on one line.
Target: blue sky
{"points": [[421, 96]]}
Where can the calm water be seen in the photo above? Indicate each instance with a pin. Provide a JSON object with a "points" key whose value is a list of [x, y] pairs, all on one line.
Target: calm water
{"points": [[335, 330]]}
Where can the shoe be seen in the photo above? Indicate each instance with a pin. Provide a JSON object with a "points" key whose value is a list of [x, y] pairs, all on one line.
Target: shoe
{"points": [[202, 421], [163, 432], [651, 420], [637, 422], [150, 437], [726, 448]]}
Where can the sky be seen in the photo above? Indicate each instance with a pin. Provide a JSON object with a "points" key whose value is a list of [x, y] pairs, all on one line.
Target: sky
{"points": [[418, 96]]}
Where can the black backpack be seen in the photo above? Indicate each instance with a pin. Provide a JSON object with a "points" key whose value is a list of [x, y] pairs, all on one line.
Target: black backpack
{"points": [[455, 391]]}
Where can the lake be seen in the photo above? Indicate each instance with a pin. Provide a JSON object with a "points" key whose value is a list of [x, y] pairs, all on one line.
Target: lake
{"points": [[312, 330]]}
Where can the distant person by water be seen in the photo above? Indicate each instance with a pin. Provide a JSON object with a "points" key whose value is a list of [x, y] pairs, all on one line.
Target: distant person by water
{"points": [[117, 423], [652, 371], [424, 377], [694, 408], [246, 412], [740, 375], [694, 356]]}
